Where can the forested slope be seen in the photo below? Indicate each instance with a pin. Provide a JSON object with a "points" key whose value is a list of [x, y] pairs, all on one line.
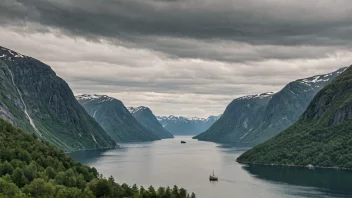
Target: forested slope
{"points": [[321, 137], [30, 167]]}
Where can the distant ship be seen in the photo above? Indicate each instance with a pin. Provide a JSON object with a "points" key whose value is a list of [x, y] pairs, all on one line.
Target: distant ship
{"points": [[183, 142], [213, 177]]}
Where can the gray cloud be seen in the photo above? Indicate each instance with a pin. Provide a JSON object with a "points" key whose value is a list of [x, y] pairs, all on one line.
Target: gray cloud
{"points": [[183, 57], [256, 22], [250, 21]]}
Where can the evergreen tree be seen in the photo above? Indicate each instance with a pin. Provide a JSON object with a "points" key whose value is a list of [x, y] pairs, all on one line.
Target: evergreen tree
{"points": [[18, 177], [6, 168], [29, 167]]}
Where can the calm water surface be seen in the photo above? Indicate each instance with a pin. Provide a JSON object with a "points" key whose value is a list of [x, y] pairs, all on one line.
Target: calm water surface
{"points": [[168, 163]]}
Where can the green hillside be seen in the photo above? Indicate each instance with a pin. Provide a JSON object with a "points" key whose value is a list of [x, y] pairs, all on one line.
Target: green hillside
{"points": [[321, 137], [29, 167], [257, 118]]}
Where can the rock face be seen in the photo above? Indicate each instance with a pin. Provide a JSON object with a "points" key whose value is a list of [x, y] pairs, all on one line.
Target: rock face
{"points": [[256, 119], [6, 114], [241, 117], [115, 119], [146, 117], [186, 126], [34, 98], [321, 137]]}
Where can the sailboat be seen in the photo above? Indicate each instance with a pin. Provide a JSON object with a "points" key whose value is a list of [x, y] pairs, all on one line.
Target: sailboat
{"points": [[183, 142], [213, 177]]}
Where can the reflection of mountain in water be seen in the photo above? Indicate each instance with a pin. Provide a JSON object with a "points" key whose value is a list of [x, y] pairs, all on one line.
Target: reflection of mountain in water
{"points": [[91, 156], [326, 180], [237, 146]]}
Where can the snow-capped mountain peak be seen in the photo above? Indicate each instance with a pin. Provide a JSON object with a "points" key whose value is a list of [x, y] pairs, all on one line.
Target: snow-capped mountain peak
{"points": [[315, 79], [182, 118], [180, 125], [101, 98], [261, 96], [10, 55], [136, 109], [320, 80]]}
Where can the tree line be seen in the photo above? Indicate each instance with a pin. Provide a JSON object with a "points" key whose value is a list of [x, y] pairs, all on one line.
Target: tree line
{"points": [[30, 167]]}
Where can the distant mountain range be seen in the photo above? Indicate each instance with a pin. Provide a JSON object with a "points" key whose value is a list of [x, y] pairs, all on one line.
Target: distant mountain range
{"points": [[115, 119], [34, 98], [321, 137], [255, 119], [186, 126], [146, 117]]}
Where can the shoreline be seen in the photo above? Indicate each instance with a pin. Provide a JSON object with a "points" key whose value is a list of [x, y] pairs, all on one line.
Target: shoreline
{"points": [[229, 143], [297, 166], [117, 146], [68, 152]]}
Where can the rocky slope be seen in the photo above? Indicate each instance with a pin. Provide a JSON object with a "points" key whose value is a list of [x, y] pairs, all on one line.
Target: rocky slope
{"points": [[115, 118], [186, 126], [146, 117], [321, 137], [246, 122], [34, 98], [241, 117]]}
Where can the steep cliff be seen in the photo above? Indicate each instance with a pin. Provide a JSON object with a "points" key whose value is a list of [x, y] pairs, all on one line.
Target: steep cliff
{"points": [[241, 117], [115, 118], [34, 98], [146, 117], [321, 137], [255, 119]]}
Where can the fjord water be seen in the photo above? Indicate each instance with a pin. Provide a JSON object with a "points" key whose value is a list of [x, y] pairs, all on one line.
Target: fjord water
{"points": [[168, 163]]}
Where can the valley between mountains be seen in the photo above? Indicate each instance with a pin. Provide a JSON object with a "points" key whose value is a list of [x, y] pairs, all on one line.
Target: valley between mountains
{"points": [[34, 98], [257, 118], [308, 123], [175, 99]]}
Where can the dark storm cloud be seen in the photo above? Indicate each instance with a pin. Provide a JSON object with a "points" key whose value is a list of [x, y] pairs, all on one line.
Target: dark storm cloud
{"points": [[184, 28], [181, 57]]}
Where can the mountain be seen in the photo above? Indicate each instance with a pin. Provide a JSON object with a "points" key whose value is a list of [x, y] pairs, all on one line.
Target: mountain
{"points": [[255, 119], [115, 119], [146, 117], [34, 98], [321, 137], [33, 168], [186, 126], [288, 105], [239, 119]]}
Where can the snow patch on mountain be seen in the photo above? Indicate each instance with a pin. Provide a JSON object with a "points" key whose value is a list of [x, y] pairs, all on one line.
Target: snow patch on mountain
{"points": [[259, 96], [9, 55], [136, 109], [186, 119], [320, 78], [101, 98], [315, 79]]}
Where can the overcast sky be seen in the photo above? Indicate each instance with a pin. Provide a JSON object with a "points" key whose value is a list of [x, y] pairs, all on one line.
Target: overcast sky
{"points": [[180, 57]]}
